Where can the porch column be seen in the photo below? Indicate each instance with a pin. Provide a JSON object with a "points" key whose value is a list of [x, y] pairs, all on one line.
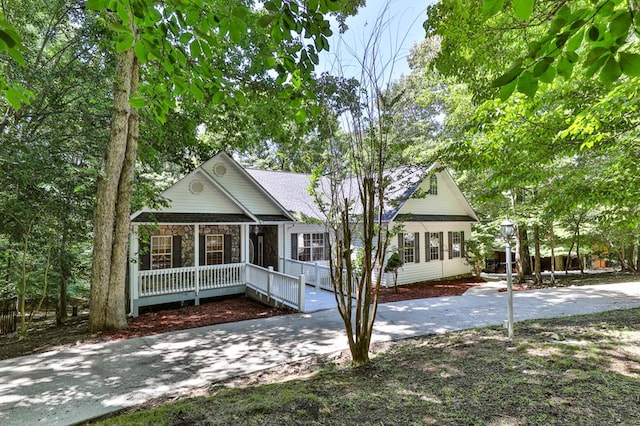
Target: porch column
{"points": [[133, 269], [196, 260], [244, 238], [281, 260]]}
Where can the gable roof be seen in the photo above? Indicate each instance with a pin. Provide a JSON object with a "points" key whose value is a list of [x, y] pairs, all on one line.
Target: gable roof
{"points": [[222, 197], [253, 195]]}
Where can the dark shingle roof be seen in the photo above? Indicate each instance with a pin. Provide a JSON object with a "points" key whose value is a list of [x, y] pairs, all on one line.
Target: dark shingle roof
{"points": [[434, 218], [146, 217]]}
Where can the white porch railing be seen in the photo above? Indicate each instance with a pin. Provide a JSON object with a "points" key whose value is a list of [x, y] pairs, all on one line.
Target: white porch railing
{"points": [[166, 281], [285, 289], [220, 276], [280, 287], [316, 274]]}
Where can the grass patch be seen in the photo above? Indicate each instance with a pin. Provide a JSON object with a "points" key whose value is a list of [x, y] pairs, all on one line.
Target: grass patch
{"points": [[578, 370]]}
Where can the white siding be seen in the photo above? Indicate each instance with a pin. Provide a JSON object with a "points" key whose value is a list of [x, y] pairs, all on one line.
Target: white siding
{"points": [[434, 269], [210, 200], [241, 187], [448, 201]]}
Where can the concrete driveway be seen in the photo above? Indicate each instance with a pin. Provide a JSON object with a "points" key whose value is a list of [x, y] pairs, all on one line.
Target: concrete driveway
{"points": [[65, 387]]}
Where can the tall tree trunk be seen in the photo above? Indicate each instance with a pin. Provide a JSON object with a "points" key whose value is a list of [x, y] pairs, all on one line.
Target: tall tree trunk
{"points": [[523, 255], [580, 262], [630, 256], [568, 262], [107, 310], [63, 262], [536, 243], [553, 255], [638, 258]]}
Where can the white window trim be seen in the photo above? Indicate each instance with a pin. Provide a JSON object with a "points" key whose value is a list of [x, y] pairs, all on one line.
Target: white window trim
{"points": [[432, 236], [156, 255], [408, 250], [207, 251]]}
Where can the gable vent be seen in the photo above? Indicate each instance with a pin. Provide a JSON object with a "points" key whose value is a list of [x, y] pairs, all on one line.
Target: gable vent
{"points": [[196, 187], [219, 169]]}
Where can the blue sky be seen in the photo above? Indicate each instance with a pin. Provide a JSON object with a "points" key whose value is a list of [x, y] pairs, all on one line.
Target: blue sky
{"points": [[401, 30]]}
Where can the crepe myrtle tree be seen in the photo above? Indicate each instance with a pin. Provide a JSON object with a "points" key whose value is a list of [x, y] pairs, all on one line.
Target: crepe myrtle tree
{"points": [[353, 186]]}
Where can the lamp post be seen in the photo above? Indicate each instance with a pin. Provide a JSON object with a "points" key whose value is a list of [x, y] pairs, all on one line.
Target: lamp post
{"points": [[507, 231]]}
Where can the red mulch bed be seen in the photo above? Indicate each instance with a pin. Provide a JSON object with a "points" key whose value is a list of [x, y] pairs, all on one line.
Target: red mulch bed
{"points": [[234, 309]]}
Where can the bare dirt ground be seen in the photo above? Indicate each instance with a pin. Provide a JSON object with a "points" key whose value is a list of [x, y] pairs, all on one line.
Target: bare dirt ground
{"points": [[45, 335]]}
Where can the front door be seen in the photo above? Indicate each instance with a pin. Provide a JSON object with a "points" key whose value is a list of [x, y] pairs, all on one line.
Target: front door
{"points": [[256, 249]]}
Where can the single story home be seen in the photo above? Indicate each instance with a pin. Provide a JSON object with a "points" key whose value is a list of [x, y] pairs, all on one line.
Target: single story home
{"points": [[226, 229]]}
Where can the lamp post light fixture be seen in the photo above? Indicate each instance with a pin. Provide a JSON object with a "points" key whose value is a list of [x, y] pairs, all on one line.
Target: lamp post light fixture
{"points": [[508, 231]]}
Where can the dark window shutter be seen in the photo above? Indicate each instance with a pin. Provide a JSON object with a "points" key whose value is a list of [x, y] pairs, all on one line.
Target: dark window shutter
{"points": [[177, 251], [400, 244], [450, 245], [202, 250], [294, 246], [462, 254], [427, 245], [326, 246], [416, 242], [441, 242], [144, 248], [227, 248]]}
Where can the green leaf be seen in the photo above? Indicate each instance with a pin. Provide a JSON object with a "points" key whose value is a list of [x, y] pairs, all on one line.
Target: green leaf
{"points": [[630, 64], [14, 97], [97, 4], [9, 41], [137, 101], [620, 24], [527, 84], [523, 9], [301, 116], [610, 71], [141, 52], [510, 75], [542, 66], [548, 76], [575, 41], [564, 67], [507, 90], [124, 42], [491, 7], [312, 5]]}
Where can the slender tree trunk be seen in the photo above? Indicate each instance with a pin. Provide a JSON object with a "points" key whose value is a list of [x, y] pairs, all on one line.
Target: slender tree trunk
{"points": [[631, 257], [61, 311], [638, 258], [107, 309], [580, 262], [536, 243], [553, 255], [568, 262]]}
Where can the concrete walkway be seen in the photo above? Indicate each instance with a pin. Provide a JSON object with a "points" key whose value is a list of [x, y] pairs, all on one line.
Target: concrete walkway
{"points": [[73, 385]]}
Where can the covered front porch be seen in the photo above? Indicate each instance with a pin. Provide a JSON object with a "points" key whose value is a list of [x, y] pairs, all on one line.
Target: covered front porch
{"points": [[175, 262]]}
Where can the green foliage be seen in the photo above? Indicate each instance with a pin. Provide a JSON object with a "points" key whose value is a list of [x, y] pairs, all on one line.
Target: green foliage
{"points": [[600, 36], [394, 262]]}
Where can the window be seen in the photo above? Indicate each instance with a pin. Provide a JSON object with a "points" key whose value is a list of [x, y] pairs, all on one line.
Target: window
{"points": [[161, 252], [433, 185], [434, 246], [311, 247], [408, 248], [456, 244], [214, 249]]}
